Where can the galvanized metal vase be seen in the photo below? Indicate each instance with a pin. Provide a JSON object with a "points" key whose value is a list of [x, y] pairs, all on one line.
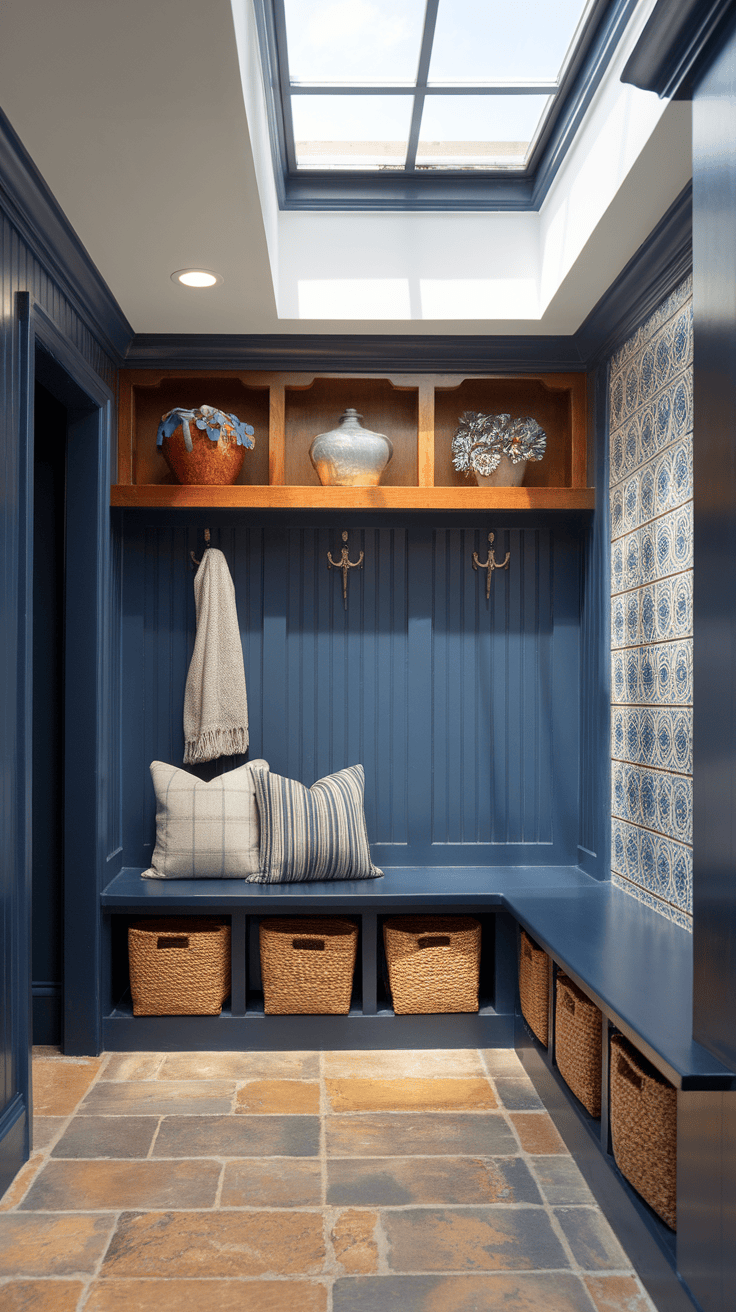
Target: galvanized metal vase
{"points": [[506, 474], [350, 455]]}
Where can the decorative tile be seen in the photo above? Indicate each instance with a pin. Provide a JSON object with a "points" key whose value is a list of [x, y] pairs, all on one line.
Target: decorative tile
{"points": [[653, 675], [651, 478], [655, 863], [661, 484], [657, 612], [658, 736], [656, 550], [653, 798], [678, 299], [660, 360], [660, 423], [665, 909]]}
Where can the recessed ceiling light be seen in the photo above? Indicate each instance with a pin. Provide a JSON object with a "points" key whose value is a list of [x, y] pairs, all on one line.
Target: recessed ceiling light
{"points": [[196, 277]]}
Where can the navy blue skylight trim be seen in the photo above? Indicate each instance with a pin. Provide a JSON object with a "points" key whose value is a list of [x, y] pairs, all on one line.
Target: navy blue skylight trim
{"points": [[444, 189], [675, 44]]}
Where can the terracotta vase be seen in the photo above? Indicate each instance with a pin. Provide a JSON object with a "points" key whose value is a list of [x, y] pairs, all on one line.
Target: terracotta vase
{"points": [[210, 462]]}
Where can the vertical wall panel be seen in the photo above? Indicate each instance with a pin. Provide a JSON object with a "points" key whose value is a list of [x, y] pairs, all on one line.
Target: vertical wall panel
{"points": [[714, 277], [19, 272], [492, 736], [462, 711]]}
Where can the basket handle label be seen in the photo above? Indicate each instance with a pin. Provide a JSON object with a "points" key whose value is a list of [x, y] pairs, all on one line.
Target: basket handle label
{"points": [[568, 1003], [628, 1072], [434, 941], [166, 941], [308, 944]]}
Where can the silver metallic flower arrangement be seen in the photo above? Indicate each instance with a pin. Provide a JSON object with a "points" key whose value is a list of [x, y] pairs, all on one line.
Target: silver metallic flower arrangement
{"points": [[481, 440]]}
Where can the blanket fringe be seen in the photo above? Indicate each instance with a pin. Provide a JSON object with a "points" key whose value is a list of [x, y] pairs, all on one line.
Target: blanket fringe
{"points": [[215, 742]]}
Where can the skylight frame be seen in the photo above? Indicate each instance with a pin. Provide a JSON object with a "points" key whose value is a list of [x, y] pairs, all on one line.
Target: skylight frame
{"points": [[419, 188]]}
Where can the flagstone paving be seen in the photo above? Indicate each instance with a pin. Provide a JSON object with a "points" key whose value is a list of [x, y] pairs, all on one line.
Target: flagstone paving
{"points": [[302, 1182]]}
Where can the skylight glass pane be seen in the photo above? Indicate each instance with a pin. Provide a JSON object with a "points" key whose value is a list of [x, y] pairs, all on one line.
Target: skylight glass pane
{"points": [[353, 40], [478, 131], [499, 41], [351, 132]]}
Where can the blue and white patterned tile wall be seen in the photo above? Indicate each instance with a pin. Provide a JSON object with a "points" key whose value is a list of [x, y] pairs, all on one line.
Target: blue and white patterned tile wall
{"points": [[651, 490]]}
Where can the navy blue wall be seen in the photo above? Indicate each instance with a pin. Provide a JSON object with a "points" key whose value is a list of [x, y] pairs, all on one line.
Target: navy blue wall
{"points": [[21, 271], [464, 713]]}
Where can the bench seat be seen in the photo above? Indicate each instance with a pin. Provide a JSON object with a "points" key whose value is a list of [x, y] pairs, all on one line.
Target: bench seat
{"points": [[634, 963]]}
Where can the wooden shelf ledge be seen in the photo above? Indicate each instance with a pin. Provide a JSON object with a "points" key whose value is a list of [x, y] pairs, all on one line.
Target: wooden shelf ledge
{"points": [[263, 497]]}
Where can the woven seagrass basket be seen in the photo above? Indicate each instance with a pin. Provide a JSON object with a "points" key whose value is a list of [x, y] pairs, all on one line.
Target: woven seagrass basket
{"points": [[433, 963], [307, 965], [578, 1024], [644, 1128], [179, 966], [534, 987]]}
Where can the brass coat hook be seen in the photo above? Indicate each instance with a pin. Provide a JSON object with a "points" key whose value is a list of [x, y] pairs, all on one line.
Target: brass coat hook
{"points": [[344, 564], [206, 544], [491, 563]]}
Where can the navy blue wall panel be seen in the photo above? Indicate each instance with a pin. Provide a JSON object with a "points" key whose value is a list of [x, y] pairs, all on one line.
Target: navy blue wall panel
{"points": [[49, 475], [714, 666], [20, 272], [463, 712], [594, 843]]}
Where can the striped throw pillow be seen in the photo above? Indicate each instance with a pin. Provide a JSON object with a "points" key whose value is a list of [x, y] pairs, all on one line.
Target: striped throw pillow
{"points": [[205, 830], [313, 833]]}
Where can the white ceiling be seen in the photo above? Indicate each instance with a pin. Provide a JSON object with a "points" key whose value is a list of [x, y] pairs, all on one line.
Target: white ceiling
{"points": [[136, 116]]}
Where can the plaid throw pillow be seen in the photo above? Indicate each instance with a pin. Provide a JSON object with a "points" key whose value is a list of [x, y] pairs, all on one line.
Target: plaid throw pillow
{"points": [[312, 833], [205, 830]]}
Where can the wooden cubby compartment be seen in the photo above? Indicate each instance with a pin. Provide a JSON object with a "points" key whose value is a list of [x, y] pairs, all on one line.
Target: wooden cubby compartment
{"points": [[384, 408], [418, 412], [147, 398], [519, 397]]}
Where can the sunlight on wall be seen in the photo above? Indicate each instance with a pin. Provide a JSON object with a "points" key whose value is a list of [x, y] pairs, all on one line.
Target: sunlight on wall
{"points": [[479, 298], [354, 298]]}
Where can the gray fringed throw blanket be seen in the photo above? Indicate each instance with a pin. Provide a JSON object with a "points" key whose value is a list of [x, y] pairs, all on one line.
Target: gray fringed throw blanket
{"points": [[215, 702]]}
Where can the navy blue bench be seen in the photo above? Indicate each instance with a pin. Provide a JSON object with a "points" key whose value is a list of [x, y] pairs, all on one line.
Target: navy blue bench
{"points": [[635, 964]]}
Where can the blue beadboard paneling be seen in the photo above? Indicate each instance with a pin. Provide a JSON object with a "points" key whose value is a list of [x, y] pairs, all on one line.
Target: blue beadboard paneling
{"points": [[463, 712]]}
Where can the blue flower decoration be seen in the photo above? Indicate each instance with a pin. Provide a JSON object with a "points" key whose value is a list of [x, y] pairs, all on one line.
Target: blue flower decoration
{"points": [[207, 419]]}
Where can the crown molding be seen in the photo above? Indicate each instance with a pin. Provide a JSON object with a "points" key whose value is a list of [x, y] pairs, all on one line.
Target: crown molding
{"points": [[651, 275], [675, 45], [43, 226]]}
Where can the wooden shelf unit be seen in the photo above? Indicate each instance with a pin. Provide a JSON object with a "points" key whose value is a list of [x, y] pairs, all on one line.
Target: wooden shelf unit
{"points": [[418, 412]]}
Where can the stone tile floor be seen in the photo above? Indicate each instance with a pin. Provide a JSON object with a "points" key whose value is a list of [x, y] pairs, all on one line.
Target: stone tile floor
{"points": [[302, 1182]]}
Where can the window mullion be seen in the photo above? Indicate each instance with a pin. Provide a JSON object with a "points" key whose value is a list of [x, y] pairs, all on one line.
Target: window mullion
{"points": [[425, 56], [279, 18]]}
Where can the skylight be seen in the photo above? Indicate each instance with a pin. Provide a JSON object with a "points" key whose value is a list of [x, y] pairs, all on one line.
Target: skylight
{"points": [[428, 104], [421, 84]]}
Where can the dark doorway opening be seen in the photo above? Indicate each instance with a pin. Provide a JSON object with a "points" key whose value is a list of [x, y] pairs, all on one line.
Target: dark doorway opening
{"points": [[49, 493]]}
